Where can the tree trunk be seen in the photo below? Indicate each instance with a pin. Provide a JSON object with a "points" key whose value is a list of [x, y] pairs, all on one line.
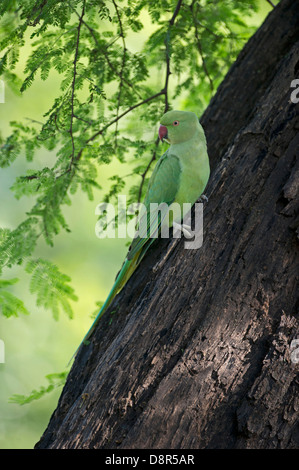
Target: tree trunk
{"points": [[195, 352]]}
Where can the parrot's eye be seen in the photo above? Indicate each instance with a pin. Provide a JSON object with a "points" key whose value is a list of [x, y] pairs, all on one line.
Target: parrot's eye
{"points": [[175, 123]]}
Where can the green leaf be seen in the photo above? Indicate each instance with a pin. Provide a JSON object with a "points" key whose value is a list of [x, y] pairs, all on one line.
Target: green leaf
{"points": [[10, 305], [51, 287], [55, 381]]}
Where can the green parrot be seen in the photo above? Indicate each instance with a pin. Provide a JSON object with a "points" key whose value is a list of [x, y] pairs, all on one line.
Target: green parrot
{"points": [[180, 176]]}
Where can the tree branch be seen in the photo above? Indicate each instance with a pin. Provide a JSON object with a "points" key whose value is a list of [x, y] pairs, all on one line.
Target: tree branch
{"points": [[164, 91], [74, 82], [199, 46], [167, 53], [117, 118], [176, 12], [122, 65], [114, 70]]}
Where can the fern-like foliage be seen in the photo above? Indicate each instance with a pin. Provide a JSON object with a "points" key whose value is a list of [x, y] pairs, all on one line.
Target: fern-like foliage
{"points": [[55, 380], [51, 287], [10, 305]]}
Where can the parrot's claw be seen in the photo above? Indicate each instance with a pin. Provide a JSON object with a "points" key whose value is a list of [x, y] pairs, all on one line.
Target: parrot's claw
{"points": [[203, 197], [185, 229]]}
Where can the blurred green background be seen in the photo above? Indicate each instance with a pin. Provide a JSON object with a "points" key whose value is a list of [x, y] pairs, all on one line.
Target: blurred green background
{"points": [[37, 345]]}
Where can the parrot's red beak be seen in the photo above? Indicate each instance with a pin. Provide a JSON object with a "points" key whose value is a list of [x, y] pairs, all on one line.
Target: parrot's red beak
{"points": [[162, 132]]}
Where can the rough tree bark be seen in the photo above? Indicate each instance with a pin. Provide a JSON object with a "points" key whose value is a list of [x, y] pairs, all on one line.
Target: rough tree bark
{"points": [[198, 351]]}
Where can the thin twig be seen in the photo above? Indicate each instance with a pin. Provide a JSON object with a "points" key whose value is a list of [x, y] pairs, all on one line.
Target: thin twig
{"points": [[204, 64], [176, 12], [199, 46], [168, 72], [117, 118], [34, 120], [74, 82], [104, 51], [167, 53], [122, 35], [83, 120]]}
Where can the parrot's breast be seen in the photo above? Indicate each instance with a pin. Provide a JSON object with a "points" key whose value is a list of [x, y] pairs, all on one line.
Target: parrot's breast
{"points": [[195, 172]]}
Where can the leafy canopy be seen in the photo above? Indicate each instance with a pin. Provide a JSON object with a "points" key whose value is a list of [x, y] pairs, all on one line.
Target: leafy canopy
{"points": [[106, 87]]}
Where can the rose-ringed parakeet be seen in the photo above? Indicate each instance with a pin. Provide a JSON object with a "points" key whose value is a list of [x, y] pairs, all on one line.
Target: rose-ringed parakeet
{"points": [[180, 176]]}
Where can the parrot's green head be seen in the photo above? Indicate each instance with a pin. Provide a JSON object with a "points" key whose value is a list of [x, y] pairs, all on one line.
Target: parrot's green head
{"points": [[178, 126]]}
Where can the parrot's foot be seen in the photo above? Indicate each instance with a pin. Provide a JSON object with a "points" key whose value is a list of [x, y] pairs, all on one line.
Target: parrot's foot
{"points": [[185, 229], [203, 197]]}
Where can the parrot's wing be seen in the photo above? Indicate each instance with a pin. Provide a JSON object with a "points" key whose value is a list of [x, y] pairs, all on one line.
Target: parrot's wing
{"points": [[163, 187]]}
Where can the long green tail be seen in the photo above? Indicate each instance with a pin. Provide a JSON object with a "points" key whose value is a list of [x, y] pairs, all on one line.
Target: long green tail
{"points": [[119, 283], [123, 276], [121, 279]]}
